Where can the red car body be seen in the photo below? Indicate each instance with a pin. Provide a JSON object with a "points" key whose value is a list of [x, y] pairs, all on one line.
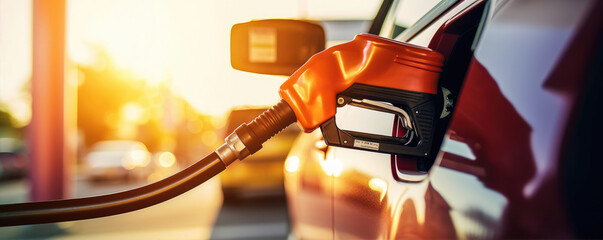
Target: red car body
{"points": [[516, 159]]}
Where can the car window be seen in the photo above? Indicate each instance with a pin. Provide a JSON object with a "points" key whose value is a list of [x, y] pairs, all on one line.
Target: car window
{"points": [[409, 12], [407, 17]]}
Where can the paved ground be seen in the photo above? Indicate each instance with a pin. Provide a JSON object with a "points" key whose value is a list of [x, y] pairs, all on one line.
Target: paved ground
{"points": [[189, 216], [253, 218]]}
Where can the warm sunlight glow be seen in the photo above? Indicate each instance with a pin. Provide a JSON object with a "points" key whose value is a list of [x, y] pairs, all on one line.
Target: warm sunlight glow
{"points": [[132, 112], [127, 164], [210, 138], [15, 59], [332, 166], [292, 164], [139, 158], [378, 185], [186, 43], [138, 35], [167, 159]]}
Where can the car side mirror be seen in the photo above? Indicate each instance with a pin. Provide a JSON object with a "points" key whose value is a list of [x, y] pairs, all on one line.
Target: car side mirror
{"points": [[274, 46]]}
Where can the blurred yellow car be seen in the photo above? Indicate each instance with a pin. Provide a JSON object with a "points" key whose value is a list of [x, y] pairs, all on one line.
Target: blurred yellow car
{"points": [[260, 174]]}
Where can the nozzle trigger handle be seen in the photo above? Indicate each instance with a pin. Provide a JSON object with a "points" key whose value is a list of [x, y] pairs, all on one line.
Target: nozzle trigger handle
{"points": [[416, 112]]}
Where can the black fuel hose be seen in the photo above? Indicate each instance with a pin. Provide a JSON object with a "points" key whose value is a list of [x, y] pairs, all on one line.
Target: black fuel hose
{"points": [[246, 140]]}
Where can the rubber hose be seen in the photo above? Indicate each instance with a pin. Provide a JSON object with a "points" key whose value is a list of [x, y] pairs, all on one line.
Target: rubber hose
{"points": [[112, 204], [257, 132]]}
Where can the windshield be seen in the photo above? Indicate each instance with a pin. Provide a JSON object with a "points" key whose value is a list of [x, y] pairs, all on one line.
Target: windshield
{"points": [[406, 17]]}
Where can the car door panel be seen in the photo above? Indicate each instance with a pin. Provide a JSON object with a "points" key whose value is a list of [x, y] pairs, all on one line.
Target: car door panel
{"points": [[309, 187]]}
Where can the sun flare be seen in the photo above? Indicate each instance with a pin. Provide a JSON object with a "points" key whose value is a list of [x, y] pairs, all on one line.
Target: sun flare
{"points": [[185, 44]]}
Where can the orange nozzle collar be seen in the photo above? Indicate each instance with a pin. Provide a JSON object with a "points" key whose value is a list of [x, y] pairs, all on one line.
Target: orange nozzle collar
{"points": [[368, 59]]}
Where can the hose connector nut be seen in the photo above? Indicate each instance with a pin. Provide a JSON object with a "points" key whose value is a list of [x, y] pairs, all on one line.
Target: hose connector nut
{"points": [[237, 146], [248, 138]]}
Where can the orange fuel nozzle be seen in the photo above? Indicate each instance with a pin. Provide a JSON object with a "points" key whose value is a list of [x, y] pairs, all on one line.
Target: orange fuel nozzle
{"points": [[371, 60]]}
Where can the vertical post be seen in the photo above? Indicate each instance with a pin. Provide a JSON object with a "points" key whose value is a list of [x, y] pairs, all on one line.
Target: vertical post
{"points": [[49, 167]]}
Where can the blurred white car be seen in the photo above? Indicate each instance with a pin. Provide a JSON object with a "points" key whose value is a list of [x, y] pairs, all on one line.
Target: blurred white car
{"points": [[13, 163], [118, 159]]}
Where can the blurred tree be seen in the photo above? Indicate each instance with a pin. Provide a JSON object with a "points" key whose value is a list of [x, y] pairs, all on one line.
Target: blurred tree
{"points": [[151, 133], [5, 119], [103, 91], [7, 125], [114, 103], [189, 144]]}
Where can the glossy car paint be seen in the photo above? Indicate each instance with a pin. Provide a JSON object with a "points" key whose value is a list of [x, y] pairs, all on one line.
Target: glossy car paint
{"points": [[497, 174], [308, 186], [518, 55]]}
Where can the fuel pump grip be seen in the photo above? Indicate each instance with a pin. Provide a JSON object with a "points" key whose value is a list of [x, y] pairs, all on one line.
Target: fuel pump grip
{"points": [[369, 72]]}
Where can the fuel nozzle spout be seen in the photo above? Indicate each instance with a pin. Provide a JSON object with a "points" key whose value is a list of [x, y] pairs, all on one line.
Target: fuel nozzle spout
{"points": [[249, 137]]}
